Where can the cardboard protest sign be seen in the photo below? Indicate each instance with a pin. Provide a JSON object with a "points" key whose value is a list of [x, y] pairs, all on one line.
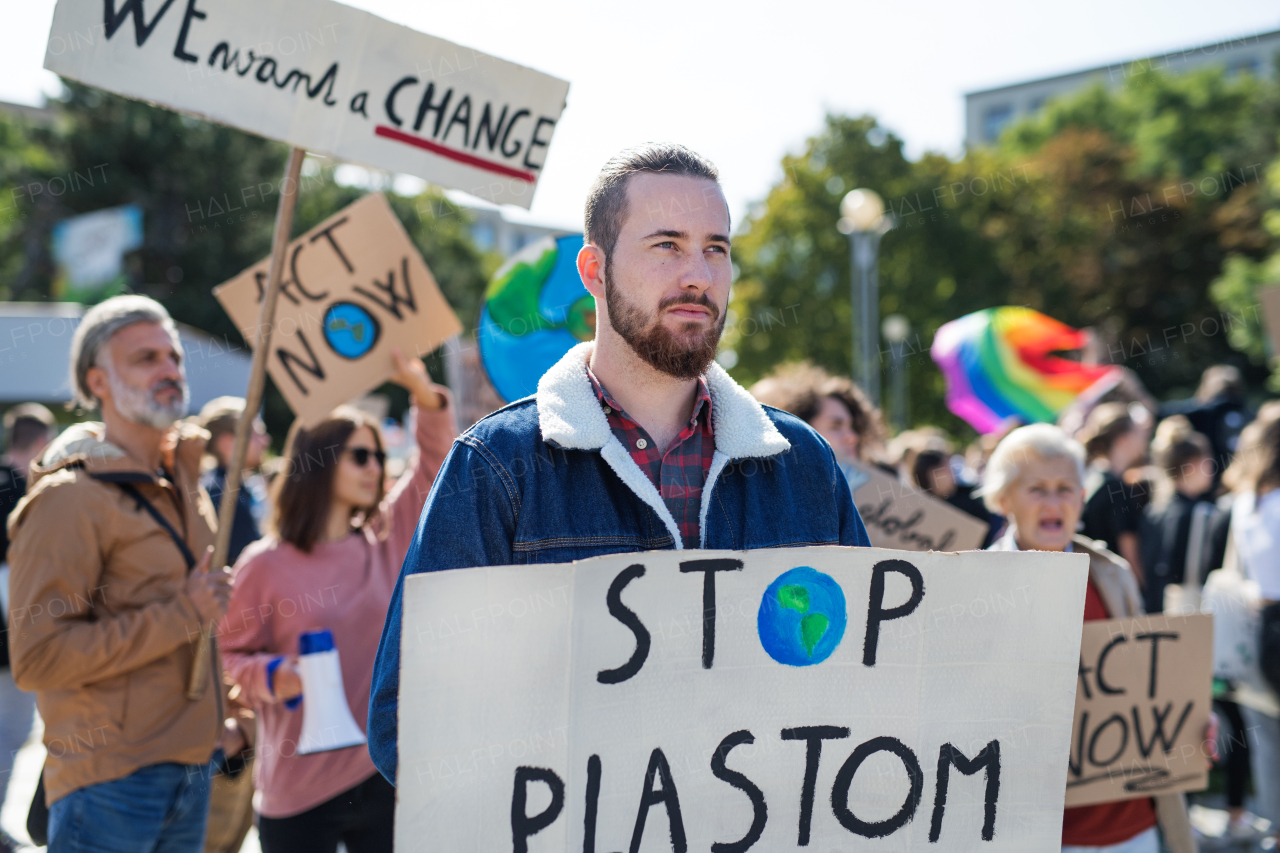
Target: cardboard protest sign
{"points": [[354, 288], [324, 77], [716, 700], [1142, 705], [898, 516], [1270, 299]]}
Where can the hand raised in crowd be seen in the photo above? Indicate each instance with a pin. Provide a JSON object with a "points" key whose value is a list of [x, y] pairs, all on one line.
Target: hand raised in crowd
{"points": [[287, 683], [209, 589], [412, 375]]}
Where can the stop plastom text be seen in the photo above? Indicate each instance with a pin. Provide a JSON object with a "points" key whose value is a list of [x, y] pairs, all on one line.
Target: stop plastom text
{"points": [[877, 613], [659, 789], [507, 151]]}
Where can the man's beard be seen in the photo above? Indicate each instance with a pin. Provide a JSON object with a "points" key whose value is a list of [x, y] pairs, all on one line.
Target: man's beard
{"points": [[141, 406], [682, 355]]}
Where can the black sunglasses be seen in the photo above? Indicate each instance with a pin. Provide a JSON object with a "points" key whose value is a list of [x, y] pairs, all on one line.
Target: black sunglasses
{"points": [[360, 455]]}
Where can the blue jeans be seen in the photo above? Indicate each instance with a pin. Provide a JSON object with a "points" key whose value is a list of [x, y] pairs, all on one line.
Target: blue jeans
{"points": [[158, 809]]}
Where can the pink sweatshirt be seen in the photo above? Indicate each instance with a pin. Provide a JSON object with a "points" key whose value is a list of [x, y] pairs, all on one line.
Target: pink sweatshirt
{"points": [[279, 593]]}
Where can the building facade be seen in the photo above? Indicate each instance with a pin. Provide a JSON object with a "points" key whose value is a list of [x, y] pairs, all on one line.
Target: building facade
{"points": [[989, 111]]}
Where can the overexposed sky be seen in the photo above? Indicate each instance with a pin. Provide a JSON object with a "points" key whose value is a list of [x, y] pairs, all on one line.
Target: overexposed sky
{"points": [[746, 83]]}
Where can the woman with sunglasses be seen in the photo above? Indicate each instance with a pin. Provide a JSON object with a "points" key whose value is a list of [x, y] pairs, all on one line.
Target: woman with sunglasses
{"points": [[330, 562]]}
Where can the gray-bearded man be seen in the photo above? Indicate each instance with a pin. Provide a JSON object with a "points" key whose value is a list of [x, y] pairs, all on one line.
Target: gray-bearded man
{"points": [[108, 591]]}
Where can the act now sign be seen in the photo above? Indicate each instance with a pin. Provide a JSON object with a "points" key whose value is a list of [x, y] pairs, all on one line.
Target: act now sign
{"points": [[761, 700], [324, 77]]}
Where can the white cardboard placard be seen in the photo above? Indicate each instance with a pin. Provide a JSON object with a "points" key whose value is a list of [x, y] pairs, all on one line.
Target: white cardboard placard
{"points": [[325, 77], [542, 667]]}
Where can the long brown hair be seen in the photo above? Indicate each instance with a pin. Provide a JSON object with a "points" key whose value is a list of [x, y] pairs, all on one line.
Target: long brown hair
{"points": [[304, 488]]}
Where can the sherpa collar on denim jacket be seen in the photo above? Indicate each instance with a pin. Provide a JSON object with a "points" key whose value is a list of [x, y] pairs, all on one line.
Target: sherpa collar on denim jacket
{"points": [[569, 416]]}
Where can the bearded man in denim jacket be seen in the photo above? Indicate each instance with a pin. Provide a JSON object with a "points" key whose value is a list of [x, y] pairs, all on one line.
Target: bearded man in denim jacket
{"points": [[638, 440]]}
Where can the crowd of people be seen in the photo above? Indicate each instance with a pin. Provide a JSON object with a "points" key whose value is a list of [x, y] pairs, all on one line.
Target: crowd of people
{"points": [[1148, 495], [107, 577]]}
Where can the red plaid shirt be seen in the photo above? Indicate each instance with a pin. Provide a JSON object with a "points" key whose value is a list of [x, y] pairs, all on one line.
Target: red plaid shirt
{"points": [[679, 472]]}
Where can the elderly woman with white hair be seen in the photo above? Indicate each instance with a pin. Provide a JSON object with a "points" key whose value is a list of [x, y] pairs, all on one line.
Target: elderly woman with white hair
{"points": [[1035, 478]]}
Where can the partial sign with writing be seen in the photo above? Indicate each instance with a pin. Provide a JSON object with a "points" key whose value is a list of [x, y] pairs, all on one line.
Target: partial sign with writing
{"points": [[756, 700], [353, 289], [1270, 299], [1142, 706], [898, 516], [325, 77]]}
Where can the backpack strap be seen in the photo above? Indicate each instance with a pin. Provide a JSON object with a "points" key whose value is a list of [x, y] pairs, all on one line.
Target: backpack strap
{"points": [[132, 491], [1193, 573]]}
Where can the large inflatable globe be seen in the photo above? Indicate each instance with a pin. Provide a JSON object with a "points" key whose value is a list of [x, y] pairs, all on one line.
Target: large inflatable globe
{"points": [[802, 617], [535, 310]]}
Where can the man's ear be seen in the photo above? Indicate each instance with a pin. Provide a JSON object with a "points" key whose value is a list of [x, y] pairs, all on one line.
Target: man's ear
{"points": [[591, 269], [99, 385]]}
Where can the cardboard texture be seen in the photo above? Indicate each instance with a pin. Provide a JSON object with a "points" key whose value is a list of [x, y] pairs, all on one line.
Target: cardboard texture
{"points": [[898, 516], [1142, 704], [354, 288], [1270, 299], [667, 700], [324, 77]]}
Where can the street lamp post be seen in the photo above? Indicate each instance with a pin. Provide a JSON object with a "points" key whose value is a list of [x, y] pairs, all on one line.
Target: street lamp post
{"points": [[863, 219], [895, 330]]}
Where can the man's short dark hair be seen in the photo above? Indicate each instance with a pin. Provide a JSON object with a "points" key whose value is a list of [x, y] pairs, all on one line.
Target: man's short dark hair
{"points": [[607, 200], [28, 424]]}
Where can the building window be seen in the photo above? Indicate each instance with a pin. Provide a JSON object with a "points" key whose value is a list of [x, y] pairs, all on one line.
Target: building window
{"points": [[994, 121], [1036, 104]]}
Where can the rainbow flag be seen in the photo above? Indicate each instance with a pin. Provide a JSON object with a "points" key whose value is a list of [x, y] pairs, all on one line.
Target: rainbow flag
{"points": [[999, 363]]}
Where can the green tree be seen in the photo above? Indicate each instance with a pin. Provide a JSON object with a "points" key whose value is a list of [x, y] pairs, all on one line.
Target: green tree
{"points": [[1236, 290], [1141, 193], [792, 296], [208, 194], [1112, 209]]}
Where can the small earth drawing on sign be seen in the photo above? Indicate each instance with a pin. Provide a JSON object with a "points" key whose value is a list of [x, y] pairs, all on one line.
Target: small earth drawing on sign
{"points": [[802, 617], [350, 330]]}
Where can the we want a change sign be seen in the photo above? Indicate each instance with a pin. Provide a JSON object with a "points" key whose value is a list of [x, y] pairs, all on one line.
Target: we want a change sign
{"points": [[354, 288], [324, 77], [829, 698]]}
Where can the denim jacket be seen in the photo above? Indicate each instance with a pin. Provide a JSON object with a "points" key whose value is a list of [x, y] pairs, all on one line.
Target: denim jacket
{"points": [[544, 480]]}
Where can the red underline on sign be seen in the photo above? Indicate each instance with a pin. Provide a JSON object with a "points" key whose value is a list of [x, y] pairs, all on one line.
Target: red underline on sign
{"points": [[435, 148]]}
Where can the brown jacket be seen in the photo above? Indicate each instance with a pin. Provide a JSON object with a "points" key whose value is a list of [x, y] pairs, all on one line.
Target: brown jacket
{"points": [[100, 625], [1111, 576]]}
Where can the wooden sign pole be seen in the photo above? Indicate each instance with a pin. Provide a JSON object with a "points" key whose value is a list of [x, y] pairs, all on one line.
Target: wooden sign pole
{"points": [[252, 402]]}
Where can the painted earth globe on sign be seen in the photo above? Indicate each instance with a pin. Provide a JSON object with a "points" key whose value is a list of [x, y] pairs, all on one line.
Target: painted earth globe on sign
{"points": [[535, 311], [350, 330], [802, 617]]}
